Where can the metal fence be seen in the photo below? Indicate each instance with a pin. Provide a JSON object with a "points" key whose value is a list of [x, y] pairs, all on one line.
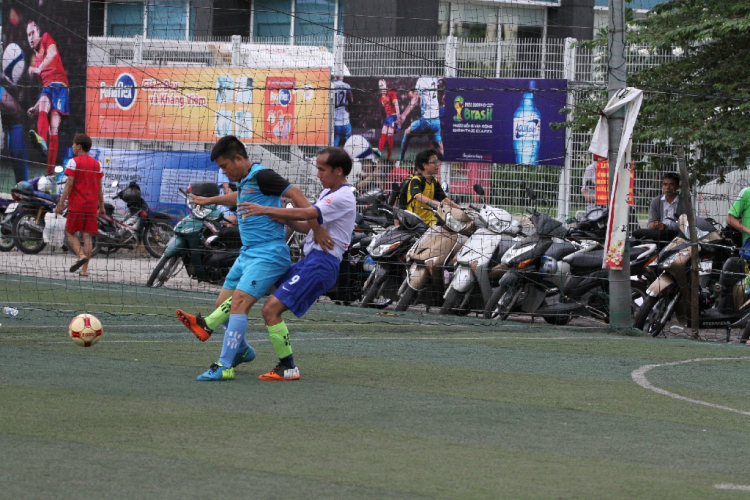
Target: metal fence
{"points": [[433, 56]]}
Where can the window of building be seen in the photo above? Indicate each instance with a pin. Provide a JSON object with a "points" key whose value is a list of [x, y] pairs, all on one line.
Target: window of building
{"points": [[284, 19], [272, 19], [166, 19], [313, 18], [124, 19], [444, 19], [473, 20]]}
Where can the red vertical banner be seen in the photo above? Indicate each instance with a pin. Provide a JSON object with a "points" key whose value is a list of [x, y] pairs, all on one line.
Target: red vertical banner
{"points": [[279, 108], [602, 183]]}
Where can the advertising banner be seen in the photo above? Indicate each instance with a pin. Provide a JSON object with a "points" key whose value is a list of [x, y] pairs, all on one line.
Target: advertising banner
{"points": [[203, 104], [504, 121], [158, 173], [44, 84], [384, 109]]}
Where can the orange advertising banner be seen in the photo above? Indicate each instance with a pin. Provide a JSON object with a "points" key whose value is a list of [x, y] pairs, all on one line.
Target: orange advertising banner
{"points": [[203, 104], [602, 183]]}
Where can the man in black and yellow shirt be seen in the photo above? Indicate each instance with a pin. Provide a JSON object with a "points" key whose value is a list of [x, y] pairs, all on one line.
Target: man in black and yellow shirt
{"points": [[423, 190]]}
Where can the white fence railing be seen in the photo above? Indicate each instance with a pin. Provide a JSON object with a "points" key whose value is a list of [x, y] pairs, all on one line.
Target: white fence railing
{"points": [[417, 56]]}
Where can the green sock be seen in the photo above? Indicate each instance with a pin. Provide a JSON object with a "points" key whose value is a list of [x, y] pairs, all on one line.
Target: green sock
{"points": [[220, 315], [280, 339]]}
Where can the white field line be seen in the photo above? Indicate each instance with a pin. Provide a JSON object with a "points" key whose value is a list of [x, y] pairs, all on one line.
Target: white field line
{"points": [[730, 486], [639, 377]]}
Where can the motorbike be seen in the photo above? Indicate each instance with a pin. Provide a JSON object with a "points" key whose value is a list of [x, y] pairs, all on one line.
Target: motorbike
{"points": [[200, 244], [356, 265], [7, 206], [140, 225], [471, 286], [721, 295], [388, 250], [24, 220], [431, 257]]}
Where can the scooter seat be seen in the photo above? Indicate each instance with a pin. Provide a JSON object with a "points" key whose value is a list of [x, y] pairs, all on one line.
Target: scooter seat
{"points": [[559, 250], [586, 260]]}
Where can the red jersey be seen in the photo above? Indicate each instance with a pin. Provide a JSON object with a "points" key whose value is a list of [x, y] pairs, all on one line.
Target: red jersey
{"points": [[387, 102], [87, 174], [54, 71]]}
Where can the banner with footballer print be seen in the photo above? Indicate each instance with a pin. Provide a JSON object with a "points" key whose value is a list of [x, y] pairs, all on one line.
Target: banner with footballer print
{"points": [[203, 104], [504, 121], [44, 82], [385, 110]]}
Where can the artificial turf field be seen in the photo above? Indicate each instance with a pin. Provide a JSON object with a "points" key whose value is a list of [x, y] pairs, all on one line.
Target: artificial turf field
{"points": [[389, 406]]}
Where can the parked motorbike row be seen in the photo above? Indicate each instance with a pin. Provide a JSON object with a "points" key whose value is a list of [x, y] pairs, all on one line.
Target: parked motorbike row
{"points": [[23, 220], [480, 259]]}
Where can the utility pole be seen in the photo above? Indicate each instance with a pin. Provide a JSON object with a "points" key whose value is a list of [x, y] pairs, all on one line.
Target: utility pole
{"points": [[620, 315]]}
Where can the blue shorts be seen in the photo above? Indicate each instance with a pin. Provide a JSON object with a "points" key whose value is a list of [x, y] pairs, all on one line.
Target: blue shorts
{"points": [[429, 127], [307, 280], [341, 134], [390, 121], [59, 97], [256, 273]]}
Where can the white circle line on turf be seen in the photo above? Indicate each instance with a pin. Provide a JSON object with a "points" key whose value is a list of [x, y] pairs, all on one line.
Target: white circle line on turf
{"points": [[639, 377], [730, 486]]}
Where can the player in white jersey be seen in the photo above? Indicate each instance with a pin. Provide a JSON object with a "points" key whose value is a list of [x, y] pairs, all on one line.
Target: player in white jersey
{"points": [[317, 272], [426, 95], [342, 98]]}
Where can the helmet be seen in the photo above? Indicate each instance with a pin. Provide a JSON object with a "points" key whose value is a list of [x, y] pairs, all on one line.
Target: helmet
{"points": [[25, 187], [45, 184], [382, 85]]}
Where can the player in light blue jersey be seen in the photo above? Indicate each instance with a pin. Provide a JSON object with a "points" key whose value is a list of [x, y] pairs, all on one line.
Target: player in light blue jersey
{"points": [[264, 257], [316, 273], [342, 98]]}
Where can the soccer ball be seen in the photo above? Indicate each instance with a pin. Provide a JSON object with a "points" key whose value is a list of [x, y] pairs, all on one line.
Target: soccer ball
{"points": [[85, 330], [13, 63]]}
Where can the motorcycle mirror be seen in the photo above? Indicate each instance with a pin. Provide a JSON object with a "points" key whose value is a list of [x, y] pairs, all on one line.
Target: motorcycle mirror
{"points": [[58, 169], [479, 189], [531, 194]]}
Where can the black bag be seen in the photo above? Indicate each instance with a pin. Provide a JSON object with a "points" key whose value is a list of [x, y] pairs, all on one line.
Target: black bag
{"points": [[403, 192]]}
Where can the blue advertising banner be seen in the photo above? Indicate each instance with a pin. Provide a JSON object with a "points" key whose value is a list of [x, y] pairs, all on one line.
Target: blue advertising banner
{"points": [[158, 173], [504, 121]]}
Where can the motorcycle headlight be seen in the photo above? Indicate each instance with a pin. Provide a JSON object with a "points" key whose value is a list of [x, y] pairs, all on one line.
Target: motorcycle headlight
{"points": [[381, 250], [454, 224], [201, 212]]}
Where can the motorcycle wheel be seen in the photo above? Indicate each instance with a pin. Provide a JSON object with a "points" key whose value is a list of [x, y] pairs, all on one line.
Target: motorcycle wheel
{"points": [[27, 240], [557, 320], [650, 317], [6, 242], [156, 237], [502, 302], [165, 269], [450, 300], [745, 334], [374, 291], [406, 299]]}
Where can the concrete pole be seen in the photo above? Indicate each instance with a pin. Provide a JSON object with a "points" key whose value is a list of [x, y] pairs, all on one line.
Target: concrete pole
{"points": [[620, 315]]}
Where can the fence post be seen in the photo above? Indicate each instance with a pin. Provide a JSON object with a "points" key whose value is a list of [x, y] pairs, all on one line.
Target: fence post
{"points": [[566, 175], [236, 60], [137, 49], [338, 55], [451, 47]]}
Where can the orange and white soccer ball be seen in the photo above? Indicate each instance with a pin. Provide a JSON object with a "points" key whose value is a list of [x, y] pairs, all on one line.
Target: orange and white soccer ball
{"points": [[85, 330]]}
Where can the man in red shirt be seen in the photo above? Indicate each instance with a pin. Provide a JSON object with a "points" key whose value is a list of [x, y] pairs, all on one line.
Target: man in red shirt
{"points": [[53, 102], [389, 100], [83, 190]]}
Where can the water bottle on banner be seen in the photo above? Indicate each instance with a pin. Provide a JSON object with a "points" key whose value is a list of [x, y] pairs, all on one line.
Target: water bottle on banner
{"points": [[527, 123]]}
